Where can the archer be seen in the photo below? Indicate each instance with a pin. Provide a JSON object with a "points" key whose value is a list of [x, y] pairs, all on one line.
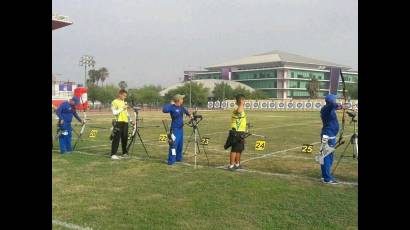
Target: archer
{"points": [[328, 135], [176, 111], [120, 129], [236, 137], [65, 113]]}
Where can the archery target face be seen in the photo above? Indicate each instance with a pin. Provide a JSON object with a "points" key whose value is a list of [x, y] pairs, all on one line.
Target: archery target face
{"points": [[210, 104], [290, 105], [247, 105], [281, 105], [255, 105], [217, 104], [224, 104], [264, 105], [318, 105], [299, 105], [308, 105], [272, 105]]}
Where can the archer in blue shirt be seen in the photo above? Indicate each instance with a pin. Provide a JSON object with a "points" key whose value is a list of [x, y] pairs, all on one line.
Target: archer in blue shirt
{"points": [[329, 131], [177, 111], [65, 113]]}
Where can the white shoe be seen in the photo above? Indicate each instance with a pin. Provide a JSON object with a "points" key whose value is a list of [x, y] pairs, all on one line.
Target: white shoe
{"points": [[115, 157]]}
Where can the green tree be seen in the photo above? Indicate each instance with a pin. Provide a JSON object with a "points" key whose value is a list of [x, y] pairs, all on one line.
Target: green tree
{"points": [[93, 93], [313, 88], [150, 94], [108, 94], [199, 94], [222, 90], [352, 90], [241, 90], [133, 97], [259, 95]]}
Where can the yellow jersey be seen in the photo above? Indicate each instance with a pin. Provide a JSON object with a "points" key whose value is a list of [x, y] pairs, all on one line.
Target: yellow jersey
{"points": [[238, 121], [117, 107]]}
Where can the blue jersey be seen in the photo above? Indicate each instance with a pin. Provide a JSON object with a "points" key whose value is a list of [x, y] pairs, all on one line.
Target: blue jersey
{"points": [[329, 119], [177, 114], [66, 112]]}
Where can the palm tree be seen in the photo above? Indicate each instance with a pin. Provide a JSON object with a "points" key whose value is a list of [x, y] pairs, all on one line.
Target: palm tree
{"points": [[104, 74], [97, 76], [92, 76]]}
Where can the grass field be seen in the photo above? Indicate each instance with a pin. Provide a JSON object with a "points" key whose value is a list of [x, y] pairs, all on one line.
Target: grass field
{"points": [[279, 187]]}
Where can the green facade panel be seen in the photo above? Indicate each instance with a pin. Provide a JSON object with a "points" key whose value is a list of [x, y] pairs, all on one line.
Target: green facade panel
{"points": [[272, 83], [297, 83]]}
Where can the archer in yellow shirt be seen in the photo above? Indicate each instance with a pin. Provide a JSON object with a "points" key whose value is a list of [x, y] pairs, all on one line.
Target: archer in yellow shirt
{"points": [[120, 129], [235, 139], [238, 121]]}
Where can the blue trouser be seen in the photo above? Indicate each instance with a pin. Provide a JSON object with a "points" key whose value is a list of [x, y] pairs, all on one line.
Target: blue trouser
{"points": [[65, 141], [178, 143], [326, 167]]}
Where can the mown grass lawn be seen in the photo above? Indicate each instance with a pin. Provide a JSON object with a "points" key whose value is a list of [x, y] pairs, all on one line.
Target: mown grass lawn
{"points": [[90, 190]]}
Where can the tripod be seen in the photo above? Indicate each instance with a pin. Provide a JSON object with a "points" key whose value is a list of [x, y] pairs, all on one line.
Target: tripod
{"points": [[197, 137], [135, 134], [354, 141]]}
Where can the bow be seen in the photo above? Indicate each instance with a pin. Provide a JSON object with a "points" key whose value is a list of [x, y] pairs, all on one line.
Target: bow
{"points": [[131, 135], [169, 133], [249, 133], [134, 132], [82, 126], [340, 141]]}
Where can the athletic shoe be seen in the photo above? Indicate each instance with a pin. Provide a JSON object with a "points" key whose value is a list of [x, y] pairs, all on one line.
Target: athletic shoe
{"points": [[125, 155], [231, 168], [238, 167], [115, 157]]}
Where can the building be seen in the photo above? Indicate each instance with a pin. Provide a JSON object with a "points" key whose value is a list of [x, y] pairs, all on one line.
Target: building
{"points": [[210, 84], [278, 74]]}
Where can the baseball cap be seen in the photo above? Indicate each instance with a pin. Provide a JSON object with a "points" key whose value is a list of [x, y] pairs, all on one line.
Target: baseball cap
{"points": [[178, 96]]}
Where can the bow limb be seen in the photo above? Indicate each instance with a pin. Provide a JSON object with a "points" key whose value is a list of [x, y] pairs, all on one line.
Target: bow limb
{"points": [[131, 138], [340, 141], [82, 126]]}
